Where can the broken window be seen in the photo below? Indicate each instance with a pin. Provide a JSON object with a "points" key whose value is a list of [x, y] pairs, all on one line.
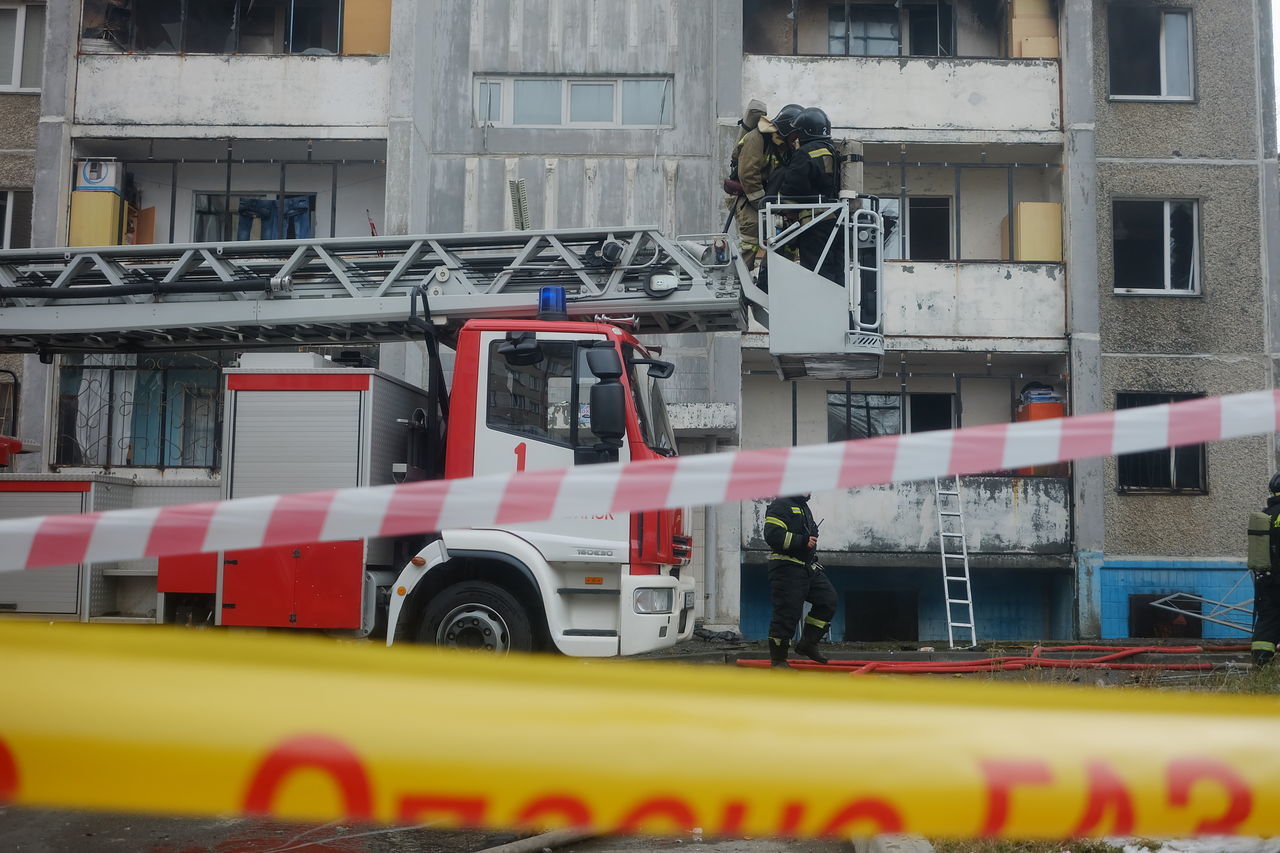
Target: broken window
{"points": [[218, 26], [1156, 245], [856, 29], [928, 228], [21, 46], [930, 30], [852, 415], [1173, 469], [1150, 52]]}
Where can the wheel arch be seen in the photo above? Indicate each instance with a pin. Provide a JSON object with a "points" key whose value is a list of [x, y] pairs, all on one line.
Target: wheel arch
{"points": [[477, 564]]}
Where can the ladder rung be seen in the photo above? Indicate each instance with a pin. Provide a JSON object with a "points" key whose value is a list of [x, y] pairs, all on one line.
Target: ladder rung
{"points": [[948, 494], [961, 625], [954, 535], [950, 514], [957, 601]]}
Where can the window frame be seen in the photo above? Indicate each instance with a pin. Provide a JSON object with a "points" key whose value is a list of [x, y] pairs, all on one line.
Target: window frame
{"points": [[573, 404], [1164, 63], [506, 101], [20, 49], [903, 408], [1197, 272], [130, 44], [1161, 398], [6, 221]]}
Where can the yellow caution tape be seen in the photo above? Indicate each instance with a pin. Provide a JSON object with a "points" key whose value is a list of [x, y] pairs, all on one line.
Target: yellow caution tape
{"points": [[210, 723]]}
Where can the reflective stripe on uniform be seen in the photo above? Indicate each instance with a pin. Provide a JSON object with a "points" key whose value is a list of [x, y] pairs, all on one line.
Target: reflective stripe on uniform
{"points": [[786, 542], [1263, 646], [769, 519], [785, 557], [809, 620], [820, 152], [797, 510]]}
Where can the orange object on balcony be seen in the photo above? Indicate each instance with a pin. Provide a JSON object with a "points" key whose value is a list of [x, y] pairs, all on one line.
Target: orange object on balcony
{"points": [[1039, 412]]}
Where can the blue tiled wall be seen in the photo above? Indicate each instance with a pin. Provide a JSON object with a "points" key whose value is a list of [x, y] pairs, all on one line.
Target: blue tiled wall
{"points": [[1008, 604], [1210, 579]]}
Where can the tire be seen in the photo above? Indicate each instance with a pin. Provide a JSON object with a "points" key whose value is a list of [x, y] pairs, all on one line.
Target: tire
{"points": [[478, 616]]}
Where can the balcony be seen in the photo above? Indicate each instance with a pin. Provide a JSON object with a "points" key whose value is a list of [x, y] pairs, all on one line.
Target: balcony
{"points": [[950, 71], [208, 95], [995, 306], [1011, 522]]}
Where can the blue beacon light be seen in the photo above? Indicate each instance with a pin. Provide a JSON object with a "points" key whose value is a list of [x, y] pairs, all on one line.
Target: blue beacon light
{"points": [[552, 303]]}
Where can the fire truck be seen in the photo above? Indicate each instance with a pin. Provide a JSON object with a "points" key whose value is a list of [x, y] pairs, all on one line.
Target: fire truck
{"points": [[534, 359]]}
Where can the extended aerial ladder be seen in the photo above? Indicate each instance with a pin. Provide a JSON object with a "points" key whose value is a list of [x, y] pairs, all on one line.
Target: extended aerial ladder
{"points": [[252, 295]]}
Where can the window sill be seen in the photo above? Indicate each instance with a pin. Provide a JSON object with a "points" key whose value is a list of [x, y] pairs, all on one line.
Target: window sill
{"points": [[1142, 291], [1151, 99], [15, 90], [1136, 492]]}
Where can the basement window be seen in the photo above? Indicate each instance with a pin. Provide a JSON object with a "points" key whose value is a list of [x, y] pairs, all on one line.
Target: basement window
{"points": [[1156, 246], [1173, 469], [1150, 53], [309, 27], [21, 46]]}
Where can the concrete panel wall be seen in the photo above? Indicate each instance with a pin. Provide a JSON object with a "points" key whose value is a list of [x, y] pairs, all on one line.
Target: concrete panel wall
{"points": [[1003, 515], [1237, 471], [1221, 123], [575, 176], [275, 91], [988, 300], [1228, 317], [19, 115], [914, 93]]}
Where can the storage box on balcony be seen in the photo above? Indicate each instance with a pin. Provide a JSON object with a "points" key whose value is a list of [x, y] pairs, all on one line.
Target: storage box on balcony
{"points": [[1038, 48], [1037, 232], [1038, 412], [97, 219], [1028, 28], [1030, 9]]}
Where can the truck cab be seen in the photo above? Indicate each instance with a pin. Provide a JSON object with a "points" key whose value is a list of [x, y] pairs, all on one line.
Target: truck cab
{"points": [[529, 396]]}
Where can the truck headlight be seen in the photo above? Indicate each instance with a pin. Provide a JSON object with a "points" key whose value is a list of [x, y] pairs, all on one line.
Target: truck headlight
{"points": [[653, 600]]}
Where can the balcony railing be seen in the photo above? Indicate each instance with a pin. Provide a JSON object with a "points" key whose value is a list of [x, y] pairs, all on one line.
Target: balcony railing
{"points": [[1026, 517], [1011, 306], [947, 98], [315, 92]]}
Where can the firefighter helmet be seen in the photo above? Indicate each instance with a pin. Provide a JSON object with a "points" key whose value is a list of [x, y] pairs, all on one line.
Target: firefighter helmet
{"points": [[785, 120], [1275, 484], [813, 124]]}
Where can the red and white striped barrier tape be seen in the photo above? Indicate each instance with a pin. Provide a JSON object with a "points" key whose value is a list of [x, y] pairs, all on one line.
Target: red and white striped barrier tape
{"points": [[508, 499]]}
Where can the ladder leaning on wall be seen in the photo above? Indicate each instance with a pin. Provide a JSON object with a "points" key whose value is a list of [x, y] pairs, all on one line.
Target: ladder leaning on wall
{"points": [[953, 544]]}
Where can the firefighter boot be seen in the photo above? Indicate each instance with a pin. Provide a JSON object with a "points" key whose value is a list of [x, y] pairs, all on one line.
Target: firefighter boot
{"points": [[1263, 653], [778, 653], [808, 645]]}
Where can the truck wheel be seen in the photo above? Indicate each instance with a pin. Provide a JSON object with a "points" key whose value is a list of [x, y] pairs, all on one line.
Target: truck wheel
{"points": [[476, 615]]}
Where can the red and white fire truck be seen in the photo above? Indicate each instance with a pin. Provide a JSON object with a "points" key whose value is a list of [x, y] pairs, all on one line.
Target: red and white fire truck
{"points": [[547, 373]]}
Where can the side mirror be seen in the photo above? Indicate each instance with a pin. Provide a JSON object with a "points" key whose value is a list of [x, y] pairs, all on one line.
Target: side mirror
{"points": [[521, 348], [609, 412], [604, 363], [657, 369]]}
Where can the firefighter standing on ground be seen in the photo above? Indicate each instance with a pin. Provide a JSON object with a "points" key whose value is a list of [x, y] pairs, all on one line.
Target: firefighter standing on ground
{"points": [[760, 151], [1266, 588], [795, 576]]}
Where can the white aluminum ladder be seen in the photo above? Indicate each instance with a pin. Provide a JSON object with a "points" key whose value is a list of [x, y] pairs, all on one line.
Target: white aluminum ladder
{"points": [[957, 592]]}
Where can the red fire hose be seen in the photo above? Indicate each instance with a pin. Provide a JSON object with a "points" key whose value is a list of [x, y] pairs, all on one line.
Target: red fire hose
{"points": [[1009, 663]]}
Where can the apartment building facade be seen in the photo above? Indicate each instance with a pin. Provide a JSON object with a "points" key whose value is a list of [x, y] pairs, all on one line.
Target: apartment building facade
{"points": [[1044, 186]]}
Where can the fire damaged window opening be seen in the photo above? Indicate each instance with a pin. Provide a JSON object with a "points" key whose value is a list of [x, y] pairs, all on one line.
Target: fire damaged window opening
{"points": [[306, 27], [1179, 470], [1150, 53], [853, 415], [1156, 246], [857, 27]]}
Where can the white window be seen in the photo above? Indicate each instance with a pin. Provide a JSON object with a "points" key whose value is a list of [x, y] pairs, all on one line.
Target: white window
{"points": [[15, 219], [1150, 53], [574, 102], [1156, 246], [21, 46]]}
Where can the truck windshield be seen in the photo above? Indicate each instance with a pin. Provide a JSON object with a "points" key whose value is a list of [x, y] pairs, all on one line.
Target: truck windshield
{"points": [[650, 406]]}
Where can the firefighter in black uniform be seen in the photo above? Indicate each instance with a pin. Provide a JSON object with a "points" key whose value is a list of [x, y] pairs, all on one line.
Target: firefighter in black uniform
{"points": [[1266, 589], [810, 175], [794, 578]]}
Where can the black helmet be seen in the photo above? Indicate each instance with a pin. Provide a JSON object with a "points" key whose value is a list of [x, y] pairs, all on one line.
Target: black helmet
{"points": [[813, 124], [785, 120], [1275, 484]]}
